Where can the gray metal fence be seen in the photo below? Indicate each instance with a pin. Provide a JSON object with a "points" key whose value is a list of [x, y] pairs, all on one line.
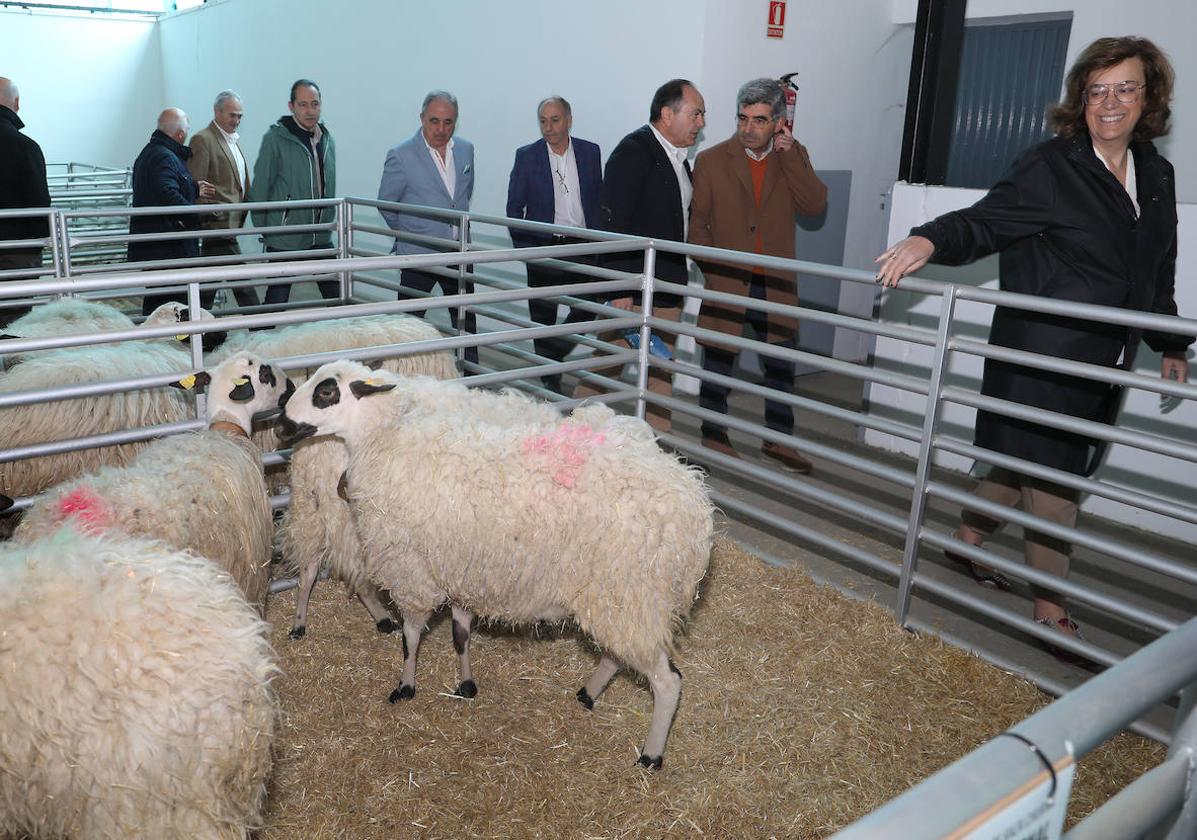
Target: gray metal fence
{"points": [[366, 272]]}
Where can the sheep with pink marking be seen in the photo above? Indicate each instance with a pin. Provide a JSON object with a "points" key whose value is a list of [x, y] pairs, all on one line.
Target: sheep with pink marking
{"points": [[583, 517], [317, 529]]}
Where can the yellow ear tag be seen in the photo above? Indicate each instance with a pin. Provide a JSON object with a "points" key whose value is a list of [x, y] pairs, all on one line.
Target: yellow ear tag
{"points": [[241, 380], [372, 381], [188, 381], [182, 337]]}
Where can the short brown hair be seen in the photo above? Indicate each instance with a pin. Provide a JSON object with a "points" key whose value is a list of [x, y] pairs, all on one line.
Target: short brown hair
{"points": [[1068, 118]]}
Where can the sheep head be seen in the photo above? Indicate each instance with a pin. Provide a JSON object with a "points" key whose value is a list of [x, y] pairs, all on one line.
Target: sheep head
{"points": [[240, 387], [336, 401]]}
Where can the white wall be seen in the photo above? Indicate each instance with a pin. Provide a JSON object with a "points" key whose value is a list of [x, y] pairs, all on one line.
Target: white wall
{"points": [[91, 87], [1171, 24], [1126, 466]]}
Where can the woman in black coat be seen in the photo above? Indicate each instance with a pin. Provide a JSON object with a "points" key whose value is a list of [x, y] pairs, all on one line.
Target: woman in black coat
{"points": [[1089, 216]]}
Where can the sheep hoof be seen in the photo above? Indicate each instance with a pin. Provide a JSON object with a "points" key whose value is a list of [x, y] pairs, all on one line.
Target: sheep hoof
{"points": [[297, 632], [651, 762], [387, 625], [468, 689], [403, 692], [585, 699]]}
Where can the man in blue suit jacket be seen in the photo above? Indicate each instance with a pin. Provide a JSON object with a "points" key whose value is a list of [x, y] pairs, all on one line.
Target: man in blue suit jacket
{"points": [[557, 179], [437, 170]]}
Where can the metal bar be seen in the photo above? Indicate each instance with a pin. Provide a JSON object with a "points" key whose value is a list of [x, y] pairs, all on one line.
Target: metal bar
{"points": [[1138, 807], [918, 499], [646, 307], [1184, 748]]}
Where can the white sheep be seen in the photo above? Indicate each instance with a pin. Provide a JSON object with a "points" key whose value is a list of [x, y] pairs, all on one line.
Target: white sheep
{"points": [[135, 697], [85, 416], [317, 529], [202, 491], [589, 520], [75, 316]]}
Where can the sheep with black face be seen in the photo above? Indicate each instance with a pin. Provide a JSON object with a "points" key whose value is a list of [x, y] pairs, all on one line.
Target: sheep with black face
{"points": [[585, 519]]}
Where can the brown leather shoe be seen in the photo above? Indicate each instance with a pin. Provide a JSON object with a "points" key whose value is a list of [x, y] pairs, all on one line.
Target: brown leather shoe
{"points": [[720, 444], [789, 459]]}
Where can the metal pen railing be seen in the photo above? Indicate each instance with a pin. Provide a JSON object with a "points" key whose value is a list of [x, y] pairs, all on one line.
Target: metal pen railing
{"points": [[357, 265]]}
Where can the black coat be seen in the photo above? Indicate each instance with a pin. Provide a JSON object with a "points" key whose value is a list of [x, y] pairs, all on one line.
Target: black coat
{"points": [[1066, 229], [22, 184], [161, 179], [641, 196]]}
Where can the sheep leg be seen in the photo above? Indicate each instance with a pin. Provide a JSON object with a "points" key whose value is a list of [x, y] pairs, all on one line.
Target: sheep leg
{"points": [[666, 682], [368, 595], [463, 621], [588, 693], [413, 629], [307, 582]]}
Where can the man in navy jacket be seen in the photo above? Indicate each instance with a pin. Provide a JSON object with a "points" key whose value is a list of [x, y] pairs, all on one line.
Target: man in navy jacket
{"points": [[161, 179], [557, 179], [22, 184]]}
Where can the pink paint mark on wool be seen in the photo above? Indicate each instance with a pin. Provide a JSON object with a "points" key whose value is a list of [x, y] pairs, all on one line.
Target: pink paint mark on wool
{"points": [[87, 508], [564, 452]]}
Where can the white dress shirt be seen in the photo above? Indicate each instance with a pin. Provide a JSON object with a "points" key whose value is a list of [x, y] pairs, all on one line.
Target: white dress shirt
{"points": [[447, 169], [759, 156], [567, 189], [230, 140], [677, 157], [1132, 181]]}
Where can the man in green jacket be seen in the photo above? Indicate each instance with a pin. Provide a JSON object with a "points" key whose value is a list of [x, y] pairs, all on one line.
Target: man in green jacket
{"points": [[297, 161]]}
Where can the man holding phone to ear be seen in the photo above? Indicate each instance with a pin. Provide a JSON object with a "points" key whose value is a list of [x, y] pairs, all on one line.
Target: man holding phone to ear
{"points": [[747, 192]]}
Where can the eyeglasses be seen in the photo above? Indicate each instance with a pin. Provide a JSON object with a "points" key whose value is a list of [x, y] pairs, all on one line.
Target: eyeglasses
{"points": [[1125, 92], [561, 180]]}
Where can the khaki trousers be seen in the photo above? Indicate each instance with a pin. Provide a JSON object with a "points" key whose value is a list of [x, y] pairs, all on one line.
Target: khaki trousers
{"points": [[659, 381], [1040, 498]]}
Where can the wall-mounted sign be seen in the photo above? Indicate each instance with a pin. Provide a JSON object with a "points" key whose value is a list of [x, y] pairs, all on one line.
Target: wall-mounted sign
{"points": [[777, 19]]}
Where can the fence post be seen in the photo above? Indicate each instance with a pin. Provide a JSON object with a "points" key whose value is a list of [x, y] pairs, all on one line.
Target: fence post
{"points": [[463, 287], [197, 345], [1184, 741], [918, 499], [344, 226], [56, 227], [646, 308], [64, 233]]}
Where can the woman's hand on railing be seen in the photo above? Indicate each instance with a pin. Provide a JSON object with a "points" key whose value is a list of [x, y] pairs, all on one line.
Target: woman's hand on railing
{"points": [[907, 257]]}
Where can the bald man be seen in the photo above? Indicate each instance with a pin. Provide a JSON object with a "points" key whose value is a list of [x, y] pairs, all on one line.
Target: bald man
{"points": [[161, 179], [22, 184]]}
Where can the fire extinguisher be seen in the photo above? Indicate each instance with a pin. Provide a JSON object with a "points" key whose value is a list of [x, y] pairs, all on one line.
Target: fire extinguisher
{"points": [[791, 90]]}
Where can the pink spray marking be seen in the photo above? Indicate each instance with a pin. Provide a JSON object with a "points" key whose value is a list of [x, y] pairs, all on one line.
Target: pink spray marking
{"points": [[87, 508], [563, 453]]}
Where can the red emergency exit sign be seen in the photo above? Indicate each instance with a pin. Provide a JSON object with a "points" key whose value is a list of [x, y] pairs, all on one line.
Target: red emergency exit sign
{"points": [[777, 19]]}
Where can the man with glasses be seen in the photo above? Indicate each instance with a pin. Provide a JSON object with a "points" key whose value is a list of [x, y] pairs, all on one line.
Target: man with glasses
{"points": [[747, 192], [556, 179], [436, 169]]}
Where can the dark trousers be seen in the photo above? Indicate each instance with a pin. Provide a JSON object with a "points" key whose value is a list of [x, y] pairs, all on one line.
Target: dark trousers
{"points": [[422, 281], [9, 261], [544, 310], [779, 374], [281, 292], [222, 247]]}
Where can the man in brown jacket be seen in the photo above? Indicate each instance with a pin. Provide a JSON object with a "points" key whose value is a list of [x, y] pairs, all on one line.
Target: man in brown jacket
{"points": [[216, 157], [747, 191]]}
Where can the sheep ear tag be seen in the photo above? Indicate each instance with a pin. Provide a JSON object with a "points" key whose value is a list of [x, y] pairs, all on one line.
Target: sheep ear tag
{"points": [[193, 382], [367, 387], [244, 392]]}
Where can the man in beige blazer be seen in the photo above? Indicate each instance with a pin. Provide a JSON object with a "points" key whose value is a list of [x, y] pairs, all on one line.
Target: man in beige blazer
{"points": [[747, 191], [216, 157]]}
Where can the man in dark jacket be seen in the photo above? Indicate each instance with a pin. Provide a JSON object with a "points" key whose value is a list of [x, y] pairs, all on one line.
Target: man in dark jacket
{"points": [[22, 184], [161, 179], [647, 189]]}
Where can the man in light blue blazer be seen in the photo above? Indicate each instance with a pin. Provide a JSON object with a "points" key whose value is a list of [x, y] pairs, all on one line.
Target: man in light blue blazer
{"points": [[435, 169], [557, 179]]}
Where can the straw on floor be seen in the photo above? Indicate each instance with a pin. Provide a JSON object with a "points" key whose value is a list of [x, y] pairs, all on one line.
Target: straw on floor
{"points": [[802, 710]]}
